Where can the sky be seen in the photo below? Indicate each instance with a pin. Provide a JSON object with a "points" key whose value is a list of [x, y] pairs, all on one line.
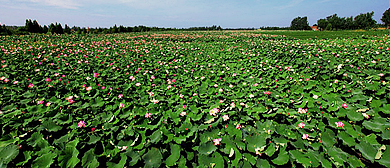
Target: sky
{"points": [[182, 13]]}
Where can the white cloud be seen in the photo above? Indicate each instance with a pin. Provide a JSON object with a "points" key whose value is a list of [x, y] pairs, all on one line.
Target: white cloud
{"points": [[293, 3], [68, 4], [150, 4]]}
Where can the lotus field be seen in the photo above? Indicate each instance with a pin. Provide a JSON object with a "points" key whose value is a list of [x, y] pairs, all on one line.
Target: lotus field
{"points": [[194, 99]]}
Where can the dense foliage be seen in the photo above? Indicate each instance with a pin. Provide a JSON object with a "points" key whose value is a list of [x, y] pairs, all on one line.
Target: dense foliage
{"points": [[386, 17], [361, 21], [300, 23], [208, 99]]}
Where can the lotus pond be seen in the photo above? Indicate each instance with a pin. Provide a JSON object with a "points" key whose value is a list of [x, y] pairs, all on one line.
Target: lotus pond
{"points": [[194, 99]]}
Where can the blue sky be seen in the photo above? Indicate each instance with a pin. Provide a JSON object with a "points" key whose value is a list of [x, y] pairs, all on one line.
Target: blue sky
{"points": [[182, 13]]}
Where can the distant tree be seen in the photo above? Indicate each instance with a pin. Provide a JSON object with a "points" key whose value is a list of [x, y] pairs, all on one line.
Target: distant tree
{"points": [[59, 29], [52, 28], [329, 26], [365, 21], [36, 28], [67, 29], [300, 23], [121, 29], [386, 17], [114, 29], [4, 30], [337, 22], [45, 29], [349, 23], [322, 23]]}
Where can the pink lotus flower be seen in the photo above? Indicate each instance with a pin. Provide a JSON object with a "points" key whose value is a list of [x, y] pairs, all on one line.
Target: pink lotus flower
{"points": [[345, 105], [40, 102], [31, 85], [217, 141], [151, 93], [47, 104], [232, 105], [258, 151], [47, 79], [301, 125], [339, 124], [214, 111], [120, 95], [154, 101], [89, 88], [15, 82], [238, 126], [6, 80], [305, 136], [267, 92], [121, 106], [81, 124], [132, 78], [71, 101], [302, 111], [184, 106], [225, 117], [93, 129], [366, 115], [95, 75], [138, 84], [148, 115], [183, 113], [181, 96]]}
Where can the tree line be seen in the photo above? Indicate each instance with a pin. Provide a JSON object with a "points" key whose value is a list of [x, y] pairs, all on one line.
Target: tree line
{"points": [[334, 22], [32, 26]]}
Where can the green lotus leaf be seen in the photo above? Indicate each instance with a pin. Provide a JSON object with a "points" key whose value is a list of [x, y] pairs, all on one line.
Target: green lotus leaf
{"points": [[8, 153], [207, 148], [282, 158], [175, 155], [46, 160], [367, 150], [152, 158], [89, 159]]}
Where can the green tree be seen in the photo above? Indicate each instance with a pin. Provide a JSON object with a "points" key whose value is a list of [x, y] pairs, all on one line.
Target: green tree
{"points": [[52, 28], [386, 17], [322, 23], [337, 22], [349, 23], [45, 29], [67, 29], [365, 21], [28, 25], [58, 29], [300, 23]]}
